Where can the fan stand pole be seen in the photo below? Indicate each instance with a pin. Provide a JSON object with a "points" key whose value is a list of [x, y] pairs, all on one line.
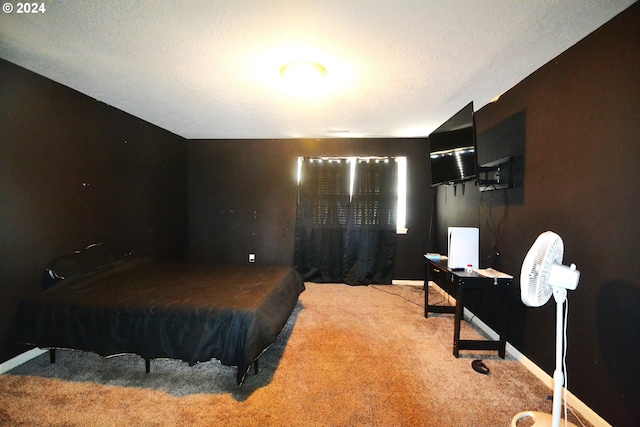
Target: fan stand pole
{"points": [[541, 419], [560, 295]]}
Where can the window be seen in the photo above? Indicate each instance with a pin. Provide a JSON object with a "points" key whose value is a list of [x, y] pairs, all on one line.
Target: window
{"points": [[401, 213]]}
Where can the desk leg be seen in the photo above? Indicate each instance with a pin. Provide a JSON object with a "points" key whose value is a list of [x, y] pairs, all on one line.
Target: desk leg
{"points": [[425, 286], [457, 318], [426, 299], [504, 324]]}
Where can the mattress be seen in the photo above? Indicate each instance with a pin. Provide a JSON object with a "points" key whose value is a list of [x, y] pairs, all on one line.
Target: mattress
{"points": [[192, 312]]}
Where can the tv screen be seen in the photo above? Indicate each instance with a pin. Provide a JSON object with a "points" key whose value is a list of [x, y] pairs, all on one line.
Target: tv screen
{"points": [[452, 149]]}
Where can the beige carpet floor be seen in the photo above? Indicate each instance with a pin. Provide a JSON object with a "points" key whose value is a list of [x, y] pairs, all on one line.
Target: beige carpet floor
{"points": [[349, 356]]}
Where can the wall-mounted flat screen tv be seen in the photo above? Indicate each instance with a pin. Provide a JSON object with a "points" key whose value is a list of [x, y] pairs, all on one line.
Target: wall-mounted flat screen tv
{"points": [[452, 149]]}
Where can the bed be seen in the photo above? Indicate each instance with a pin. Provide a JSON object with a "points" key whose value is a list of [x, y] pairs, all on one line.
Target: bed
{"points": [[155, 309]]}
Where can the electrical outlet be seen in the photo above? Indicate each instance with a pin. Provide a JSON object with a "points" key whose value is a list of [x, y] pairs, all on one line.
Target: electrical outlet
{"points": [[252, 257]]}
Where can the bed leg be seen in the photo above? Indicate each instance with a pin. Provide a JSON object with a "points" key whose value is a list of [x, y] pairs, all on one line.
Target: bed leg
{"points": [[147, 365], [52, 355], [240, 374]]}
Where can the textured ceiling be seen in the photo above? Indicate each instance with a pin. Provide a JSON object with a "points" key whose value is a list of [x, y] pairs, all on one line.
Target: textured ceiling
{"points": [[210, 69]]}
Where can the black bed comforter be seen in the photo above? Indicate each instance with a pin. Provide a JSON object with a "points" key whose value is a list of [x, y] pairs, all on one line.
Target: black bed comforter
{"points": [[158, 309]]}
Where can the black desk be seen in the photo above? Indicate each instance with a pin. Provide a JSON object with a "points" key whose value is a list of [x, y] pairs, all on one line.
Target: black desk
{"points": [[456, 284]]}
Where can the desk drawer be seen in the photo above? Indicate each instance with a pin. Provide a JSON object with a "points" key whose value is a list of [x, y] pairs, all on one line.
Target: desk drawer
{"points": [[438, 274]]}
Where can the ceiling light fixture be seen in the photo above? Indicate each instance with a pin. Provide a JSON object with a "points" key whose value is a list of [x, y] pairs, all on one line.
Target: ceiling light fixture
{"points": [[303, 72]]}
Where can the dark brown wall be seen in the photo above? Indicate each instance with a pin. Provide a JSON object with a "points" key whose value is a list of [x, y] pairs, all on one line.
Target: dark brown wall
{"points": [[74, 171], [573, 127], [242, 197], [575, 131]]}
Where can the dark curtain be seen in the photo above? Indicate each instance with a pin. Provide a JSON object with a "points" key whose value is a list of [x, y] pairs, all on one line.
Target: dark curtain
{"points": [[371, 230], [338, 240], [321, 220]]}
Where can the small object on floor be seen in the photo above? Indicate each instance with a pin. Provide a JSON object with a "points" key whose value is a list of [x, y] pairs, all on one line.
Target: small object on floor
{"points": [[479, 366]]}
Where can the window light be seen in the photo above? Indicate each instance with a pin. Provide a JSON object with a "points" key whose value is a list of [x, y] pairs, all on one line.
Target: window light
{"points": [[401, 213]]}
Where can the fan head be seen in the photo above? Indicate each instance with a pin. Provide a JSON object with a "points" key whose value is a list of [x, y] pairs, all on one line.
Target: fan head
{"points": [[546, 251]]}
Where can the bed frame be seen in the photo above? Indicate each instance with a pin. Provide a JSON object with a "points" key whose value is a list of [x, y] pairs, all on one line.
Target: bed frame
{"points": [[187, 311], [147, 362]]}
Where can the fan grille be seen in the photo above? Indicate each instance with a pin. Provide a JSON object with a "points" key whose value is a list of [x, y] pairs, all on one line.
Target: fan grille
{"points": [[547, 250]]}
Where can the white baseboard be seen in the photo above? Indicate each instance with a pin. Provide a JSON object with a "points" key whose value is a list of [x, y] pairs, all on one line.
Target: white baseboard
{"points": [[408, 282], [20, 359], [584, 410]]}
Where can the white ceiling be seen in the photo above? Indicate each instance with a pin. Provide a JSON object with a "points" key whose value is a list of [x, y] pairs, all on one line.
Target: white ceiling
{"points": [[210, 68]]}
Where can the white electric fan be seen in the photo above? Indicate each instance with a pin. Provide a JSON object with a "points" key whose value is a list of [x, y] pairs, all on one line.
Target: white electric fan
{"points": [[543, 275]]}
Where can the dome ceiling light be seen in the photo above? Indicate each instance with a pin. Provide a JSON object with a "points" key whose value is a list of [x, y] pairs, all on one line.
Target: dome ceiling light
{"points": [[303, 76]]}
